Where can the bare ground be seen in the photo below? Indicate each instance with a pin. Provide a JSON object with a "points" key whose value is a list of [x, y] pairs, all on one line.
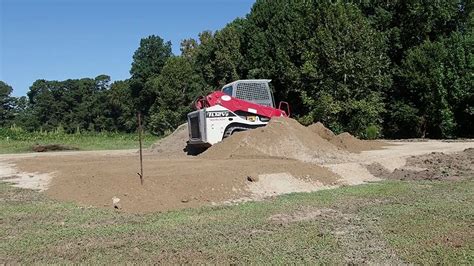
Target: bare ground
{"points": [[432, 166], [169, 183], [94, 178]]}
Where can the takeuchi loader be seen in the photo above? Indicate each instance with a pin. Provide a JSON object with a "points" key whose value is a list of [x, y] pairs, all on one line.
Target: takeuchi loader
{"points": [[238, 106]]}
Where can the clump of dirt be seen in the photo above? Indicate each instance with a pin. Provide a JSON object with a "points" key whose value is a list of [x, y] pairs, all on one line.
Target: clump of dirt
{"points": [[281, 138], [173, 145], [322, 131], [433, 166], [52, 147]]}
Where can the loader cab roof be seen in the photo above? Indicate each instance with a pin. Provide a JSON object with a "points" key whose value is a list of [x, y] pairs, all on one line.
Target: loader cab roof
{"points": [[253, 90]]}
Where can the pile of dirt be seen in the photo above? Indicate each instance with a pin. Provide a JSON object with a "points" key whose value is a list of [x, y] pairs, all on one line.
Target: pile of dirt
{"points": [[322, 131], [433, 166], [52, 147], [345, 140], [173, 145], [352, 144], [280, 138]]}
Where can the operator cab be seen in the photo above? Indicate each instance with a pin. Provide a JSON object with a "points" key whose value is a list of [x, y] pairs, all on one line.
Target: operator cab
{"points": [[252, 90]]}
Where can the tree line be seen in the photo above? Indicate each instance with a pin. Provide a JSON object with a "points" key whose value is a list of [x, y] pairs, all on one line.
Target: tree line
{"points": [[398, 69]]}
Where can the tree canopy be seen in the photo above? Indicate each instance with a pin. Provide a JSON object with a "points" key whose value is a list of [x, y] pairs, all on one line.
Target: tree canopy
{"points": [[400, 68]]}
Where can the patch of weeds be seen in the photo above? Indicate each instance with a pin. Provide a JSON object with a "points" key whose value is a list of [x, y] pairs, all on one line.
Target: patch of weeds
{"points": [[391, 221]]}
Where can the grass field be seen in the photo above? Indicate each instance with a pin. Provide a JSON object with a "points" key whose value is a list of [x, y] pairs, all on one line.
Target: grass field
{"points": [[16, 140], [421, 222]]}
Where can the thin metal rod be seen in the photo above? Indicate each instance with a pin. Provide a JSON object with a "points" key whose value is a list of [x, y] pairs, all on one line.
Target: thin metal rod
{"points": [[140, 131]]}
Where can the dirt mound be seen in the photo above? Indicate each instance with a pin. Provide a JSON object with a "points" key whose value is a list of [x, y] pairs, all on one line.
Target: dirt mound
{"points": [[173, 145], [322, 131], [345, 140], [433, 166], [281, 138], [53, 147], [352, 144]]}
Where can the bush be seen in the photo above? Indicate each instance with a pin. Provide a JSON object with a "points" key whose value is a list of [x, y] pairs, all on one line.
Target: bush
{"points": [[372, 132]]}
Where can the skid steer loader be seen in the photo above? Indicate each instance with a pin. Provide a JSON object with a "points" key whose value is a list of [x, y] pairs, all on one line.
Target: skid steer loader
{"points": [[238, 106]]}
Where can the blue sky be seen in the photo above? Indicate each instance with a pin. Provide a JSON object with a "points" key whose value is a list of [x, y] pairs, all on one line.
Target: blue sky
{"points": [[61, 39]]}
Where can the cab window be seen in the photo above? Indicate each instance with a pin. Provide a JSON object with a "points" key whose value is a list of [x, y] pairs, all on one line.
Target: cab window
{"points": [[227, 90]]}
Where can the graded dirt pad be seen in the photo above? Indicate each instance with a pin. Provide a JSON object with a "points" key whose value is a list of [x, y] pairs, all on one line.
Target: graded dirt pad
{"points": [[173, 145], [433, 166], [281, 138], [169, 183]]}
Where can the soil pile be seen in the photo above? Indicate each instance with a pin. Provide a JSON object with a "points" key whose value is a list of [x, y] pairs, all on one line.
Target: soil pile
{"points": [[433, 166], [352, 144], [322, 131], [281, 138], [173, 145], [345, 140], [52, 147]]}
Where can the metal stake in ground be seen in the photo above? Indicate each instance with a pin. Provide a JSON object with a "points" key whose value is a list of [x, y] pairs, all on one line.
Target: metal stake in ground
{"points": [[140, 130]]}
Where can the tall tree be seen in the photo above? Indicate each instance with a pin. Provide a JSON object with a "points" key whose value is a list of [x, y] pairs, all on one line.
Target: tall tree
{"points": [[220, 57], [438, 84], [275, 39], [176, 88], [345, 70], [150, 57], [148, 60], [122, 106], [74, 104], [6, 104]]}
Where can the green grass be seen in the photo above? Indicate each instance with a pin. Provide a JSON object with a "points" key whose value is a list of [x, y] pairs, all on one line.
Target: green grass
{"points": [[15, 140], [422, 222]]}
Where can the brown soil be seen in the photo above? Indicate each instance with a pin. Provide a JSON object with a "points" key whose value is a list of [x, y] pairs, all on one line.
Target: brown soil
{"points": [[276, 159], [322, 131], [173, 145], [52, 147], [433, 166], [281, 138], [352, 144], [345, 140], [169, 183]]}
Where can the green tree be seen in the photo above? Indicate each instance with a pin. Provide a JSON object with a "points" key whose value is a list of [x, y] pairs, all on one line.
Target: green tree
{"points": [[220, 58], [407, 24], [176, 88], [438, 83], [6, 104], [150, 57], [345, 70], [73, 104], [275, 40], [148, 60], [121, 106]]}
